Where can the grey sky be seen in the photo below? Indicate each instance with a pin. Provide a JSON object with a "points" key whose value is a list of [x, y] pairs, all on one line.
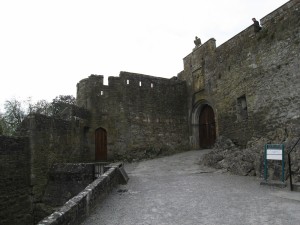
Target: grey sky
{"points": [[47, 47]]}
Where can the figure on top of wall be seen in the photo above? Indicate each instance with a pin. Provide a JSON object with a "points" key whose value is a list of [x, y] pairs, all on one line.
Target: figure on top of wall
{"points": [[197, 41], [256, 25]]}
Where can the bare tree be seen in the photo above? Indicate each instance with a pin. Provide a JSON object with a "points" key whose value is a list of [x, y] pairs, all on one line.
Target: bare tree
{"points": [[2, 125], [16, 111], [41, 107], [62, 106], [12, 117]]}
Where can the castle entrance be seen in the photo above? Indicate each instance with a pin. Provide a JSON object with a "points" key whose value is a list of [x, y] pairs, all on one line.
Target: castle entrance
{"points": [[207, 127], [100, 144]]}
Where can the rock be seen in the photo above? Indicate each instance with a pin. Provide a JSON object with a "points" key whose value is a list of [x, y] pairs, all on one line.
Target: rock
{"points": [[240, 167], [250, 160], [212, 159]]}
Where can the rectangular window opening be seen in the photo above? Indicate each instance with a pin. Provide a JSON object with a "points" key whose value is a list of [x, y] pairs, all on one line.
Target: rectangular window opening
{"points": [[140, 83], [152, 85], [242, 110], [102, 93], [127, 81]]}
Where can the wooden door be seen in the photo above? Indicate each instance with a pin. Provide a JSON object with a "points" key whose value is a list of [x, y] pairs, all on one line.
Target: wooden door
{"points": [[100, 145], [207, 127]]}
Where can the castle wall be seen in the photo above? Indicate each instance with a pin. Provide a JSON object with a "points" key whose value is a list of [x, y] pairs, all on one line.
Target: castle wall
{"points": [[67, 180], [78, 208], [52, 141], [15, 190], [253, 80], [143, 115]]}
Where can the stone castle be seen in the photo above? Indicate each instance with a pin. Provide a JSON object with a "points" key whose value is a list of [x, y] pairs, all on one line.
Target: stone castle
{"points": [[244, 90]]}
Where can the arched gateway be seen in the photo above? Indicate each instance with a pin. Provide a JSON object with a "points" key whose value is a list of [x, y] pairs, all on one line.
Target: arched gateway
{"points": [[100, 145], [203, 125], [207, 127]]}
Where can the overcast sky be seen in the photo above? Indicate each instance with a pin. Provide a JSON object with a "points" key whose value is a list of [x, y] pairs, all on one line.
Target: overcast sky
{"points": [[47, 47]]}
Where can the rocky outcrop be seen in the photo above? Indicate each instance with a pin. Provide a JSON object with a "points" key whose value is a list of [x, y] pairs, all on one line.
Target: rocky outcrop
{"points": [[249, 161], [238, 161]]}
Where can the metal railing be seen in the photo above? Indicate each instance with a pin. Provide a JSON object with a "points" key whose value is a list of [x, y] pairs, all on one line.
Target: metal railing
{"points": [[289, 161], [99, 168]]}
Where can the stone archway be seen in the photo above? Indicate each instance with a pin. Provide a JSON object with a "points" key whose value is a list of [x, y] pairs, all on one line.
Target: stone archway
{"points": [[207, 128]]}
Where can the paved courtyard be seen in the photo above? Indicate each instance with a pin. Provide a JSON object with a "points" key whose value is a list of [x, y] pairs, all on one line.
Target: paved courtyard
{"points": [[177, 190]]}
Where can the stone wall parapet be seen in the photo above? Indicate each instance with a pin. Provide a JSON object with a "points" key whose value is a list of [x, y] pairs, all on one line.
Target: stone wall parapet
{"points": [[79, 207]]}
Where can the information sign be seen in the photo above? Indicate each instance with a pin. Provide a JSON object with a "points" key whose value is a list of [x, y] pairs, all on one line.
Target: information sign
{"points": [[274, 152]]}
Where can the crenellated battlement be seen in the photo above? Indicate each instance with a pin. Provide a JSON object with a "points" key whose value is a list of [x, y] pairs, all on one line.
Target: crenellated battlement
{"points": [[125, 83], [128, 78], [137, 110]]}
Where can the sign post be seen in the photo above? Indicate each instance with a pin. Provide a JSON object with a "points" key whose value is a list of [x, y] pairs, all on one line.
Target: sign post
{"points": [[274, 152]]}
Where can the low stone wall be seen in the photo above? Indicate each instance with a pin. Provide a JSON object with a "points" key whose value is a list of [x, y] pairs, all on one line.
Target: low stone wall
{"points": [[78, 208]]}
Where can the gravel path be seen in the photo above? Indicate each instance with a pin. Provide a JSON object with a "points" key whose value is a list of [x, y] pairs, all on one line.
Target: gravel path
{"points": [[176, 190]]}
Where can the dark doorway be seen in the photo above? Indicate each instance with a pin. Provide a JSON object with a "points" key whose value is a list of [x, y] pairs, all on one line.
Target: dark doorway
{"points": [[100, 145], [207, 127]]}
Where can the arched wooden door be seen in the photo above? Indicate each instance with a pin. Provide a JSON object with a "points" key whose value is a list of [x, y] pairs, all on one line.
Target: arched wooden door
{"points": [[207, 127], [100, 145]]}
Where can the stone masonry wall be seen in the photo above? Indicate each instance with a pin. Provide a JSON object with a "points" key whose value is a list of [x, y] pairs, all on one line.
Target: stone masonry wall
{"points": [[52, 141], [67, 180], [15, 190], [259, 69], [80, 206], [144, 116]]}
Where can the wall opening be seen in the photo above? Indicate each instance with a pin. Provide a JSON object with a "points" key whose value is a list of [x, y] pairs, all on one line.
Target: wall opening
{"points": [[100, 144], [207, 127], [203, 125], [105, 80], [242, 111]]}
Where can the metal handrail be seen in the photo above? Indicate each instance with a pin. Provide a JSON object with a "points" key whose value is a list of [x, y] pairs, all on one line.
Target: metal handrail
{"points": [[289, 159], [99, 169]]}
